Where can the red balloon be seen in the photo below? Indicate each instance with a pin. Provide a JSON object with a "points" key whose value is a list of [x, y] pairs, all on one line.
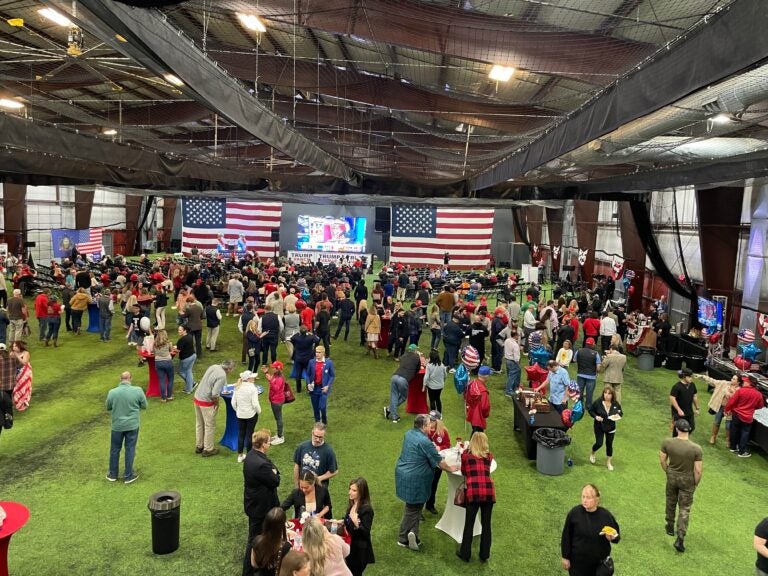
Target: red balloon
{"points": [[742, 363], [631, 290], [681, 277]]}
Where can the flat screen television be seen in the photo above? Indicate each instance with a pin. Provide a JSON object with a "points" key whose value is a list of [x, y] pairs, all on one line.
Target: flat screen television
{"points": [[710, 316], [331, 234]]}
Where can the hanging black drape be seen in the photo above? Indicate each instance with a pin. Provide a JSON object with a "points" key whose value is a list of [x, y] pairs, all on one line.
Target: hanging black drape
{"points": [[642, 217], [520, 230]]}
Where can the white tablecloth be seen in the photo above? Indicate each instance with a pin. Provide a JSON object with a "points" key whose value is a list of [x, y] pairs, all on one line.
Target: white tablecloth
{"points": [[452, 520]]}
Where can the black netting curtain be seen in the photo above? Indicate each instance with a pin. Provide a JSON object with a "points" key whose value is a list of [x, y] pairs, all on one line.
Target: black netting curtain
{"points": [[642, 217]]}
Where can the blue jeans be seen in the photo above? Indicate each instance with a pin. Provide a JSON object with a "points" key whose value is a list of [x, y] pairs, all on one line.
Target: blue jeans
{"points": [[53, 329], [185, 371], [105, 327], [43, 325], [588, 385], [130, 438], [398, 393], [739, 434], [450, 355], [164, 369], [513, 377], [445, 317]]}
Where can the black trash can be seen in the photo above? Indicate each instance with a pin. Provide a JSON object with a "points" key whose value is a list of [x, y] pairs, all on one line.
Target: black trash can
{"points": [[550, 450], [165, 508], [674, 361], [695, 364]]}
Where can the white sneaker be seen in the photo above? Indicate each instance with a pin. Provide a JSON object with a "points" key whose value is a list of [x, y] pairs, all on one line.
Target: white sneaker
{"points": [[592, 458], [240, 458], [278, 440], [452, 371], [610, 467]]}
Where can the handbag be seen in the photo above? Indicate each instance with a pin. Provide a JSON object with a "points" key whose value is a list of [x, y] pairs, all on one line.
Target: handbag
{"points": [[605, 568], [251, 352], [289, 397], [460, 496]]}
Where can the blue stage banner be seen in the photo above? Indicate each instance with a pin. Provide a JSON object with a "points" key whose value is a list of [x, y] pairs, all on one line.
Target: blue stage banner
{"points": [[63, 241]]}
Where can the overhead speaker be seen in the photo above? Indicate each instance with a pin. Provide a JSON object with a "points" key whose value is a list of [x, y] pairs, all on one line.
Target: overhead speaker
{"points": [[385, 239], [275, 235], [176, 245], [31, 244], [568, 267], [383, 219]]}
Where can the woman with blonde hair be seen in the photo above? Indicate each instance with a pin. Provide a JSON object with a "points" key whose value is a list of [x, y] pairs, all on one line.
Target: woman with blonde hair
{"points": [[296, 564], [326, 551], [481, 495], [164, 365], [373, 329]]}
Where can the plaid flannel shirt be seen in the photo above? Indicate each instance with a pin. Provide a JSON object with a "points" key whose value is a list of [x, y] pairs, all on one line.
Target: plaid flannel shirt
{"points": [[7, 372], [477, 474]]}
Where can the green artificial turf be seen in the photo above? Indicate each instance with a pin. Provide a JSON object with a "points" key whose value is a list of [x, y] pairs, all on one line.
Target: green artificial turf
{"points": [[55, 458]]}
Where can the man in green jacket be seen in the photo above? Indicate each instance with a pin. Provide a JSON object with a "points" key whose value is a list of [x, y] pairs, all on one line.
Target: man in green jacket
{"points": [[124, 401]]}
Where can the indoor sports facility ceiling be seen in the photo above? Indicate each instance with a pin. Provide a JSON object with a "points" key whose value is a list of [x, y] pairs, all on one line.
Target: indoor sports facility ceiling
{"points": [[390, 97]]}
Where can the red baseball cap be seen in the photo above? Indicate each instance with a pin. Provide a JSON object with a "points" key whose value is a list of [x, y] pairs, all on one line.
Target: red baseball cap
{"points": [[590, 342]]}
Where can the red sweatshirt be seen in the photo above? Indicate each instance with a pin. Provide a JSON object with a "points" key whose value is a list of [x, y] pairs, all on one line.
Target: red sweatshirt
{"points": [[592, 326], [744, 403]]}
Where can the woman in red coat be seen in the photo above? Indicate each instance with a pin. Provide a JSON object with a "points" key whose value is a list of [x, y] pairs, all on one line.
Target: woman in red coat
{"points": [[481, 495], [477, 401]]}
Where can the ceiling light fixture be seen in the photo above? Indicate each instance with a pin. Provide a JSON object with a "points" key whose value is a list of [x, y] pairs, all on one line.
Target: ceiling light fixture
{"points": [[109, 132], [10, 104], [54, 16], [722, 118], [252, 22], [501, 73], [173, 79]]}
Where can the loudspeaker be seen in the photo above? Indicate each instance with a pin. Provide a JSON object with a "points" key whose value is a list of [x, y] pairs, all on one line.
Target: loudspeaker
{"points": [[383, 220], [275, 235], [568, 268], [31, 244], [385, 239], [176, 245]]}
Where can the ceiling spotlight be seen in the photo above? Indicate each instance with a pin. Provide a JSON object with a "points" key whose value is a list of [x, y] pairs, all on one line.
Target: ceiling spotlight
{"points": [[722, 118], [460, 127], [501, 73], [10, 104], [54, 16], [252, 22], [109, 132], [173, 79]]}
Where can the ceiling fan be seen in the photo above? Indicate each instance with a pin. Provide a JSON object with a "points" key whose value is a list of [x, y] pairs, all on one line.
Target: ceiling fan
{"points": [[73, 54]]}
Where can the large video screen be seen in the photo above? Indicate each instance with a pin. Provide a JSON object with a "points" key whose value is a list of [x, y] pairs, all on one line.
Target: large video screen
{"points": [[710, 315], [331, 234]]}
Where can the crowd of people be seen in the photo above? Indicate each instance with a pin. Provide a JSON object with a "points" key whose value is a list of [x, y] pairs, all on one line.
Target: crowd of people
{"points": [[293, 305]]}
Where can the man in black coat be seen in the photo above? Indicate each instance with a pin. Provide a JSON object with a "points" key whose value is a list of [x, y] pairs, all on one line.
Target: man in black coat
{"points": [[260, 481]]}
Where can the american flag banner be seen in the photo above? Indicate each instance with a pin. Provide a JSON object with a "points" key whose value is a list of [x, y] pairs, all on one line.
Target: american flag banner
{"points": [[209, 223], [89, 240], [421, 235]]}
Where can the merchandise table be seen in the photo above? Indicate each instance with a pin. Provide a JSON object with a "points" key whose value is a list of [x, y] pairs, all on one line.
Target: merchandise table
{"points": [[522, 422], [452, 520], [417, 398], [231, 428], [640, 336], [16, 516]]}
